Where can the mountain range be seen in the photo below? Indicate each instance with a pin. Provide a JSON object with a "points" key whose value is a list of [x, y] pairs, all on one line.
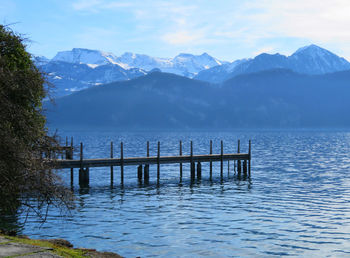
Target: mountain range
{"points": [[307, 60], [276, 98], [81, 68], [310, 88]]}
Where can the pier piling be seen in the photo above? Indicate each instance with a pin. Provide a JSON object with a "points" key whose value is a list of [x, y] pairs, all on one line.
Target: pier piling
{"points": [[146, 174], [139, 173], [221, 160], [211, 163], [71, 157], [199, 171], [112, 166], [146, 168], [121, 164], [193, 171], [193, 165], [158, 164], [83, 172], [250, 156], [239, 167], [84, 177], [180, 162]]}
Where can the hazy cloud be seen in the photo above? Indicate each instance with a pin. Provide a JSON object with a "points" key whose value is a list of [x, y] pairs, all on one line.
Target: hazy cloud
{"points": [[227, 28]]}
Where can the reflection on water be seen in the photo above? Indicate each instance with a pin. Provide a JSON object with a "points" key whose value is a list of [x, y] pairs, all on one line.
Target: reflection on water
{"points": [[295, 203]]}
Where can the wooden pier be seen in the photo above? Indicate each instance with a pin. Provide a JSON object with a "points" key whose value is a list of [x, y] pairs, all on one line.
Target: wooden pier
{"points": [[143, 163]]}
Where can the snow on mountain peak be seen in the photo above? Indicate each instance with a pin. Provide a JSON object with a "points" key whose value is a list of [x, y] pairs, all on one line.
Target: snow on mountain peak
{"points": [[183, 64], [85, 56]]}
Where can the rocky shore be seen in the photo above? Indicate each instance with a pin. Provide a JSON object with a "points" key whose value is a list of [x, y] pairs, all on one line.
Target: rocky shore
{"points": [[22, 246]]}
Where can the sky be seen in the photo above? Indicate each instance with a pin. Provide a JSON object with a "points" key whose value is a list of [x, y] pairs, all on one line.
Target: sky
{"points": [[225, 29]]}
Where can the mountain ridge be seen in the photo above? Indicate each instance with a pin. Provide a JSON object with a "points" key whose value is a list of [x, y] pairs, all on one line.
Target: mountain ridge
{"points": [[276, 98], [310, 59]]}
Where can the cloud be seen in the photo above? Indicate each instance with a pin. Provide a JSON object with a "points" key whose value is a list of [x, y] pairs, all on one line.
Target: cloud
{"points": [[182, 38], [254, 24], [91, 38], [265, 49], [325, 20]]}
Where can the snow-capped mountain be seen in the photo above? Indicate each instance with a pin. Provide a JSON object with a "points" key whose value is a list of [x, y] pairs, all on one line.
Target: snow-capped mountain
{"points": [[68, 77], [219, 73], [85, 56], [81, 68], [316, 60], [131, 60], [183, 64], [190, 65], [307, 60]]}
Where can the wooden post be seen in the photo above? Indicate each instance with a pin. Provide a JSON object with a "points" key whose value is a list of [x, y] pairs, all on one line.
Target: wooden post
{"points": [[147, 149], [191, 151], [84, 177], [121, 164], [250, 156], [199, 171], [112, 166], [239, 167], [71, 156], [221, 160], [211, 163], [193, 171], [245, 167], [180, 163], [139, 173], [193, 165], [158, 165], [81, 155], [146, 168], [83, 173], [228, 167], [66, 151], [146, 174]]}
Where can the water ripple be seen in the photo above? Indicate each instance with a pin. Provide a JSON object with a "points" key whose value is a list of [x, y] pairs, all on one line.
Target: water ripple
{"points": [[295, 204]]}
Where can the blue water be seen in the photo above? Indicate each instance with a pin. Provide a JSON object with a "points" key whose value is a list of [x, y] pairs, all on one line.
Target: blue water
{"points": [[297, 201]]}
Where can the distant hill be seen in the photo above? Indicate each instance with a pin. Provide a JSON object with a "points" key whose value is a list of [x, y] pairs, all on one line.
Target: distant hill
{"points": [[276, 98], [282, 98], [157, 100]]}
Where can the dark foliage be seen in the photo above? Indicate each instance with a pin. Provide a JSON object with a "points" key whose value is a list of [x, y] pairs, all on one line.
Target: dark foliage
{"points": [[25, 181]]}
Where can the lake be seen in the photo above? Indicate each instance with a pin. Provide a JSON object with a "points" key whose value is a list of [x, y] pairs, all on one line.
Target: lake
{"points": [[297, 201]]}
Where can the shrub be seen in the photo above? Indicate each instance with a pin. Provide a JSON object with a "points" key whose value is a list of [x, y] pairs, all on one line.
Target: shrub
{"points": [[25, 180]]}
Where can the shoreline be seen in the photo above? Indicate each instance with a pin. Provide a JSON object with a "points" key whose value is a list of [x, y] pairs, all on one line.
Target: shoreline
{"points": [[17, 246]]}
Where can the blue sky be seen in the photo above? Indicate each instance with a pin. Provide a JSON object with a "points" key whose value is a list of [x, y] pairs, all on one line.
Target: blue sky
{"points": [[226, 29]]}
